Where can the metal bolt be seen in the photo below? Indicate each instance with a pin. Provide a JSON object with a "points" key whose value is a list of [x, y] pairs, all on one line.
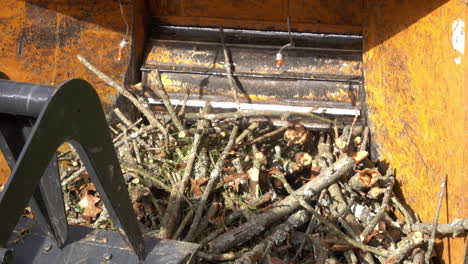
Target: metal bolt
{"points": [[107, 256], [47, 247]]}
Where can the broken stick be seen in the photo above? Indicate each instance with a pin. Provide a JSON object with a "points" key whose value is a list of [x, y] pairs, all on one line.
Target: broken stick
{"points": [[283, 208]]}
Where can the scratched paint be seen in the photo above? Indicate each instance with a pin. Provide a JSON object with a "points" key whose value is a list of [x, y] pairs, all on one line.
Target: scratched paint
{"points": [[40, 41], [416, 96]]}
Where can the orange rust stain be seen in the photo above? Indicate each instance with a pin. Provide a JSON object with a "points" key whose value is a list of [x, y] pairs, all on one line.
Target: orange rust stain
{"points": [[346, 67], [339, 96], [162, 55], [338, 16], [176, 86], [4, 170], [41, 39], [416, 96]]}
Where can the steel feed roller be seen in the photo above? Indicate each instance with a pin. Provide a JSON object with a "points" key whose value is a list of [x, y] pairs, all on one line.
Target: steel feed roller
{"points": [[34, 121], [270, 71]]}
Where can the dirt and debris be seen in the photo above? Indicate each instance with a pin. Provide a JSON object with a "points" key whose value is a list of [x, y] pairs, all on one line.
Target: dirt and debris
{"points": [[250, 192]]}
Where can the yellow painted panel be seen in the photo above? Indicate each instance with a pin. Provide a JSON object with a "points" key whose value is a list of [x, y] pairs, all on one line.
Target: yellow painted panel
{"points": [[340, 16], [41, 39], [416, 93]]}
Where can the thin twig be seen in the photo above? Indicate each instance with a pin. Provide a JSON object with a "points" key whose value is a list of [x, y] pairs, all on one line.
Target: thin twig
{"points": [[136, 149], [218, 257], [379, 213], [184, 223], [365, 139], [246, 132], [256, 113], [158, 88], [170, 218], [304, 240], [402, 208], [456, 228], [145, 174], [280, 234], [228, 67], [430, 244], [267, 135], [215, 173], [117, 138], [337, 231], [283, 208], [122, 117], [184, 104], [73, 176], [145, 111], [404, 247]]}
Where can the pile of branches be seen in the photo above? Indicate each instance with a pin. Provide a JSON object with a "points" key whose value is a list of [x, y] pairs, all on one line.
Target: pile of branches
{"points": [[249, 192]]}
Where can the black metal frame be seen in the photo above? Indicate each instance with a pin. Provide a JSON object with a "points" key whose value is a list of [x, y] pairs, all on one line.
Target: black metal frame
{"points": [[70, 113]]}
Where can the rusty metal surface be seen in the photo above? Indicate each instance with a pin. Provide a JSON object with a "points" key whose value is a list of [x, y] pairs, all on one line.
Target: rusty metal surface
{"points": [[313, 16], [262, 90], [416, 86], [320, 71], [257, 37], [300, 62], [253, 52], [40, 41]]}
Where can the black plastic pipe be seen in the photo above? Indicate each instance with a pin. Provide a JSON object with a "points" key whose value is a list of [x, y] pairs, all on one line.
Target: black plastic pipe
{"points": [[26, 99]]}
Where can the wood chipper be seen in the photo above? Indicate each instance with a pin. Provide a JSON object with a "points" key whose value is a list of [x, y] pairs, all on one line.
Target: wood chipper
{"points": [[397, 67]]}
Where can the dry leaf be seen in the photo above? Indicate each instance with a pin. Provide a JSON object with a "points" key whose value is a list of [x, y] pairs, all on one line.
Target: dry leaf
{"points": [[137, 193], [196, 185], [139, 210], [303, 158], [296, 135], [368, 177], [370, 236], [276, 171], [236, 179], [381, 227], [88, 201], [379, 237]]}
